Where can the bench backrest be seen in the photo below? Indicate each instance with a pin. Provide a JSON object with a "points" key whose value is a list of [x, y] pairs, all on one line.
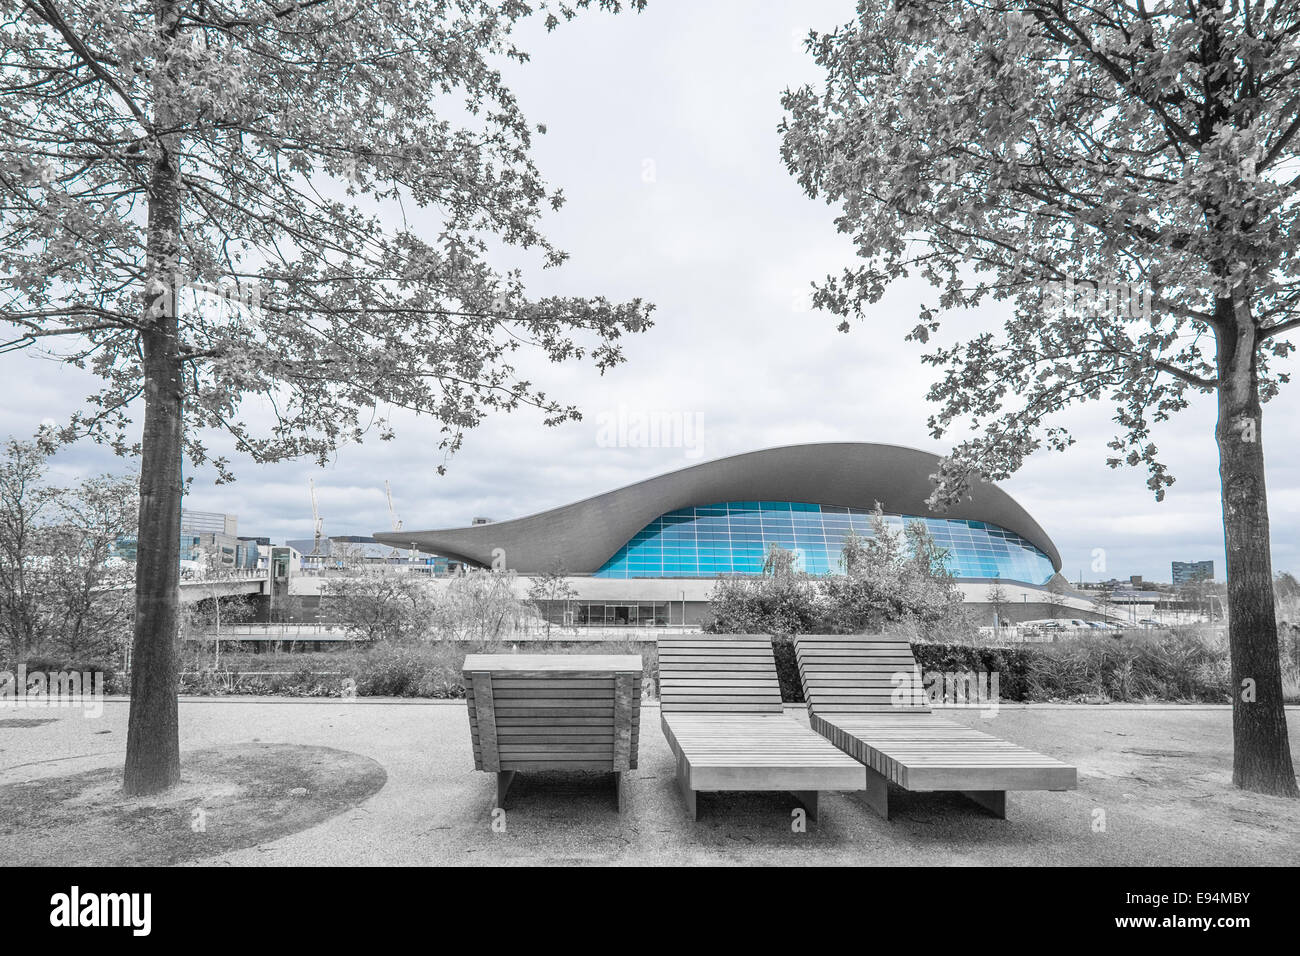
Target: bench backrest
{"points": [[724, 673], [859, 674], [552, 717]]}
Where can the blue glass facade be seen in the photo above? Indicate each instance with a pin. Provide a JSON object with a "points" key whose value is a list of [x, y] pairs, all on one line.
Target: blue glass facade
{"points": [[733, 538]]}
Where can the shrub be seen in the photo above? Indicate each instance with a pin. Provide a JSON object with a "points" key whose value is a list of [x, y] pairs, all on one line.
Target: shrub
{"points": [[787, 670], [392, 672], [1183, 665], [54, 663], [1011, 664]]}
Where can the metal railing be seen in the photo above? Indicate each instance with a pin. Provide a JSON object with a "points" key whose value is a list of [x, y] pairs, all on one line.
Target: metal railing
{"points": [[225, 574]]}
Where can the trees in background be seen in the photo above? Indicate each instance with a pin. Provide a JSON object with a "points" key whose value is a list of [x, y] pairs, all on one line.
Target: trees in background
{"points": [[92, 586], [25, 502], [998, 598], [1054, 596], [63, 589], [1287, 589], [779, 601], [379, 603], [206, 205], [201, 622], [479, 605], [889, 577], [551, 591], [1123, 176]]}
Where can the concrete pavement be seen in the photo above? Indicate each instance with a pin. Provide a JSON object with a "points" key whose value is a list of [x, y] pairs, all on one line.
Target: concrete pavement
{"points": [[1154, 788]]}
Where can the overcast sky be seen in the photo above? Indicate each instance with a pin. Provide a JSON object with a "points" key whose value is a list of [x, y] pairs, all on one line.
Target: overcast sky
{"points": [[663, 135]]}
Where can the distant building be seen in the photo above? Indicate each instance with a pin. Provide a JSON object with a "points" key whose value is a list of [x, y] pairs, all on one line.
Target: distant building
{"points": [[209, 522], [651, 553], [210, 537], [1185, 572], [213, 537], [342, 550], [253, 551]]}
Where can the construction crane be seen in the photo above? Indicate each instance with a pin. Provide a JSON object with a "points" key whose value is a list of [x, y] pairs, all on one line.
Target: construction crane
{"points": [[317, 524], [397, 522]]}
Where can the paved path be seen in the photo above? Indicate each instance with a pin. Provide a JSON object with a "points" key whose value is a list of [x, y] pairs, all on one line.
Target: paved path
{"points": [[1158, 778]]}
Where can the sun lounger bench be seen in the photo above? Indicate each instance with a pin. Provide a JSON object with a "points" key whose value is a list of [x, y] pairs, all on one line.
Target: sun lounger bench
{"points": [[553, 712], [721, 711], [859, 697]]}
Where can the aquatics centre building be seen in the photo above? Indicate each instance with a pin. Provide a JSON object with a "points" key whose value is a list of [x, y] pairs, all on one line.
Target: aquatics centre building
{"points": [[649, 553]]}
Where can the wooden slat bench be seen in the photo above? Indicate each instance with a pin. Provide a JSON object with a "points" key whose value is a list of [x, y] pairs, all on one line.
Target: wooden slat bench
{"points": [[554, 712], [859, 694], [720, 706]]}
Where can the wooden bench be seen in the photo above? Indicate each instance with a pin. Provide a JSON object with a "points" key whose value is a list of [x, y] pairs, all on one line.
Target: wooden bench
{"points": [[860, 697], [554, 712], [720, 707]]}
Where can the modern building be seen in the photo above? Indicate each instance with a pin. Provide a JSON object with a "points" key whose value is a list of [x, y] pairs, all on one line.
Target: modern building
{"points": [[209, 537], [1187, 572], [213, 538], [649, 553], [254, 551], [209, 522]]}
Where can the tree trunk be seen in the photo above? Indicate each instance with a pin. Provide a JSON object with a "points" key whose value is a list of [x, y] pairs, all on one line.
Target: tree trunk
{"points": [[153, 738], [153, 741], [1261, 753]]}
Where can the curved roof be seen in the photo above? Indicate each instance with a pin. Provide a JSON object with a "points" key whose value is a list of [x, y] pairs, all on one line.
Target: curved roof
{"points": [[583, 535]]}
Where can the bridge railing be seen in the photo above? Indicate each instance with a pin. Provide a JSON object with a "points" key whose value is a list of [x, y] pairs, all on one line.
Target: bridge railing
{"points": [[227, 574]]}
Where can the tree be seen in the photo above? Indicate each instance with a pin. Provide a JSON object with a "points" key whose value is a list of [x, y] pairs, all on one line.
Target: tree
{"points": [[780, 562], [549, 588], [203, 618], [201, 623], [60, 591], [1054, 596], [478, 605], [1287, 589], [193, 199], [892, 577], [93, 595], [1105, 601], [763, 605], [781, 601], [1124, 176], [25, 501], [998, 597], [379, 603]]}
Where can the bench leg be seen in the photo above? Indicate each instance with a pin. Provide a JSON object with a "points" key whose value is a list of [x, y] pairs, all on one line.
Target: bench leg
{"points": [[618, 790], [504, 779], [877, 793], [994, 801], [808, 800], [689, 795]]}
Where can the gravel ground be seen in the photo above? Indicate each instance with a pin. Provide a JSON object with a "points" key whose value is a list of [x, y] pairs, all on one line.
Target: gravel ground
{"points": [[1157, 777]]}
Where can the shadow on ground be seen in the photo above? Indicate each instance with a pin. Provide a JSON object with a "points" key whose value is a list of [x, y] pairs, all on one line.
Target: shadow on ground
{"points": [[228, 799]]}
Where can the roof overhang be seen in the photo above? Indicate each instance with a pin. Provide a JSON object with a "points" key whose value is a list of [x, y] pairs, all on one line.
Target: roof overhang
{"points": [[582, 536]]}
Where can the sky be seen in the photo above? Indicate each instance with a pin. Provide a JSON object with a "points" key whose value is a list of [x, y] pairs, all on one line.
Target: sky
{"points": [[662, 131]]}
